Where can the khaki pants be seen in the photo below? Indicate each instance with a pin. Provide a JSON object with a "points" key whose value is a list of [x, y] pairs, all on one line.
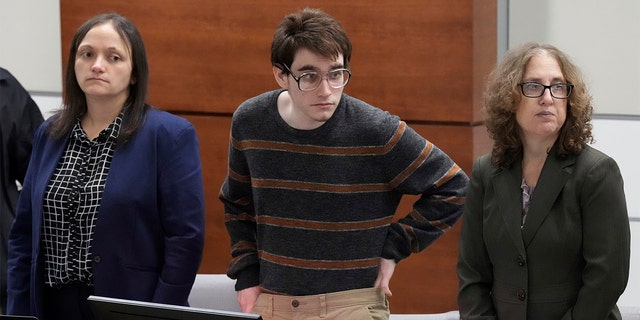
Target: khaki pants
{"points": [[368, 303]]}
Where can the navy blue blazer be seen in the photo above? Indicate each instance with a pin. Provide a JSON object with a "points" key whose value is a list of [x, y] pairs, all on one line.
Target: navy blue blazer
{"points": [[149, 234]]}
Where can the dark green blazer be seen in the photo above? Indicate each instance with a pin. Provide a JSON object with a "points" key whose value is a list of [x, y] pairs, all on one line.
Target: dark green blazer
{"points": [[570, 260]]}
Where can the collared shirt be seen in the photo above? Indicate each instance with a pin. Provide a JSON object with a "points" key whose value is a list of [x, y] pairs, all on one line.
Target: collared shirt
{"points": [[71, 204]]}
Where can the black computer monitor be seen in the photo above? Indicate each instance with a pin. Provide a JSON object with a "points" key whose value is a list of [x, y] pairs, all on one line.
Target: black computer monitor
{"points": [[105, 308]]}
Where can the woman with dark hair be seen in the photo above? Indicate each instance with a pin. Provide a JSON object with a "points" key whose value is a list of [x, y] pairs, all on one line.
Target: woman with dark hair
{"points": [[545, 233], [113, 200]]}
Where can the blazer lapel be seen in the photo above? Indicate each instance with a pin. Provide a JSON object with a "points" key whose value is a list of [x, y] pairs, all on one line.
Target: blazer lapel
{"points": [[552, 179], [506, 183]]}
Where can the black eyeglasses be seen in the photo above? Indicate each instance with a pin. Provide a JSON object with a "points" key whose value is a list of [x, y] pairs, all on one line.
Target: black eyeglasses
{"points": [[536, 90], [310, 81]]}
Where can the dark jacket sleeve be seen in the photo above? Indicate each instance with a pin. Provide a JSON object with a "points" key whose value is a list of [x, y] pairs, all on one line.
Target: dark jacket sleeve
{"points": [[606, 241], [20, 119], [474, 266]]}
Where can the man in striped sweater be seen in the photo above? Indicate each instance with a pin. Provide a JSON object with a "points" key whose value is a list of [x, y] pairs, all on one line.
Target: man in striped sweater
{"points": [[314, 179]]}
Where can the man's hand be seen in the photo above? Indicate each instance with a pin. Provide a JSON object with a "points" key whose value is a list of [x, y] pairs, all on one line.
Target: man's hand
{"points": [[247, 298], [384, 275]]}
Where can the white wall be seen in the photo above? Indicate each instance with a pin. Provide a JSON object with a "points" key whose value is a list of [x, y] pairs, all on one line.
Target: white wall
{"points": [[603, 37], [48, 103], [30, 43]]}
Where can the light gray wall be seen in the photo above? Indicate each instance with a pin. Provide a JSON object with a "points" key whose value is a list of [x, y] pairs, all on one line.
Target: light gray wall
{"points": [[30, 43], [603, 37]]}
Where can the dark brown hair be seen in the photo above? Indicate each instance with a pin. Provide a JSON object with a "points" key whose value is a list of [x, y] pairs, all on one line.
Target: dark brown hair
{"points": [[310, 29], [74, 99]]}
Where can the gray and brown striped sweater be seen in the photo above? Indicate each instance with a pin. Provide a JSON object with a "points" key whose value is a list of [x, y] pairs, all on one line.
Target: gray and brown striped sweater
{"points": [[311, 211]]}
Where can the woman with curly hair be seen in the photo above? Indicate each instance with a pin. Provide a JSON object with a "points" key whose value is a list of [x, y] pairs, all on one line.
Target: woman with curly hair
{"points": [[545, 233]]}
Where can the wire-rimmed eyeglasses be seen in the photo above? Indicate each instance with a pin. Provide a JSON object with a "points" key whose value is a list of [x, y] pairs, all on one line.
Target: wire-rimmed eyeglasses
{"points": [[311, 80], [536, 90]]}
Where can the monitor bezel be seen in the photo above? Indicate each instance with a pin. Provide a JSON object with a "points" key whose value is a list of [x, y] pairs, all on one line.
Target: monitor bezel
{"points": [[106, 308]]}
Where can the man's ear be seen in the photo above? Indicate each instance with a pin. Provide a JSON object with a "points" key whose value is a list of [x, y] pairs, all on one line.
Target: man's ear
{"points": [[282, 77]]}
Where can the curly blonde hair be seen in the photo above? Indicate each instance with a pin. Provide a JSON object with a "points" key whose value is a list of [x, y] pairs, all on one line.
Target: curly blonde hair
{"points": [[502, 96]]}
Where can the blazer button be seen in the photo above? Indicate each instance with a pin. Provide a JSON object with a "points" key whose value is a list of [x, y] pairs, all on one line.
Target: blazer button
{"points": [[295, 303], [521, 262], [521, 295], [97, 259]]}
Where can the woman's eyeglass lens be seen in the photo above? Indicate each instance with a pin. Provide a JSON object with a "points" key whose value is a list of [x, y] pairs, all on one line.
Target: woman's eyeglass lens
{"points": [[536, 90]]}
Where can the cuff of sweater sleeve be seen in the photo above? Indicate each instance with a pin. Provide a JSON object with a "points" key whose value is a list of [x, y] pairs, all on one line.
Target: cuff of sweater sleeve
{"points": [[394, 247], [247, 278]]}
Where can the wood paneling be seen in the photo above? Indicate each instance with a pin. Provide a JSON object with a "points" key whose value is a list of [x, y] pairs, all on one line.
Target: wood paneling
{"points": [[422, 60], [412, 58]]}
